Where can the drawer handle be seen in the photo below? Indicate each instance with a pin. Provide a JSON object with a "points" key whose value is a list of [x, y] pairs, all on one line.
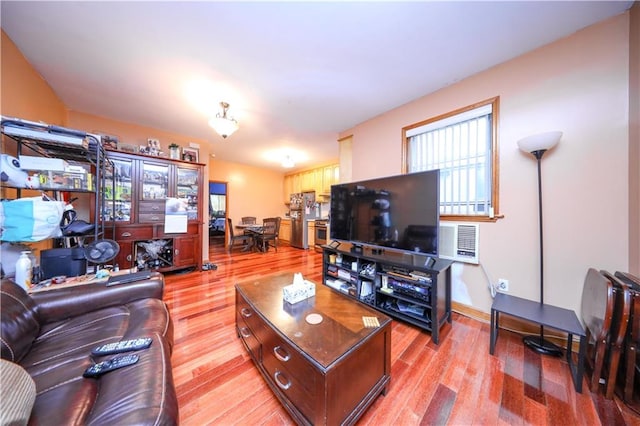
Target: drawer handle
{"points": [[129, 258], [244, 332], [246, 312], [280, 384], [155, 208], [284, 358], [155, 217], [125, 234]]}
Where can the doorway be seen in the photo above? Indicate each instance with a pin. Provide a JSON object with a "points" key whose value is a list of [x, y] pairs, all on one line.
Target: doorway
{"points": [[218, 206]]}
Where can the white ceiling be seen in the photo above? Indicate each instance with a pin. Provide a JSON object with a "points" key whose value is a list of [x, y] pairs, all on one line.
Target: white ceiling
{"points": [[295, 73]]}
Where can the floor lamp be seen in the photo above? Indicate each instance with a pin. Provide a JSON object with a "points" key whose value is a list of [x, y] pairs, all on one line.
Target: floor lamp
{"points": [[537, 145]]}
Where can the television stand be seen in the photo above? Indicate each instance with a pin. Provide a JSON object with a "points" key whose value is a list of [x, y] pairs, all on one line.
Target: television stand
{"points": [[414, 288]]}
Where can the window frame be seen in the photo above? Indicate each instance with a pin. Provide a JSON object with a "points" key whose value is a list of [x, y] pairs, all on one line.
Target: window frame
{"points": [[494, 213]]}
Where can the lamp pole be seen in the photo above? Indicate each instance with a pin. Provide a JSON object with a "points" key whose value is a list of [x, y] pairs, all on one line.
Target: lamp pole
{"points": [[538, 343]]}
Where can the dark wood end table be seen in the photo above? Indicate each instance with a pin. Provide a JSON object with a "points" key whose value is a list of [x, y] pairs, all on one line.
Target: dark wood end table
{"points": [[548, 316]]}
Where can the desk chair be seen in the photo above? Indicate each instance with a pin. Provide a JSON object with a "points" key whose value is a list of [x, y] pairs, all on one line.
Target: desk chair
{"points": [[631, 357], [244, 238], [269, 235]]}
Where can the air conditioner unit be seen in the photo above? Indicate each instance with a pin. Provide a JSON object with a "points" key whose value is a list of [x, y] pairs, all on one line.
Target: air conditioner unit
{"points": [[459, 242]]}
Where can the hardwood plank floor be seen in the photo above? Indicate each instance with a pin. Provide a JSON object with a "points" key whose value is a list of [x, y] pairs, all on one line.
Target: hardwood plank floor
{"points": [[455, 383]]}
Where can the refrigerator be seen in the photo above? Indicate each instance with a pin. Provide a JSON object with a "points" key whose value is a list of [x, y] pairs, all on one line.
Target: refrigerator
{"points": [[302, 208]]}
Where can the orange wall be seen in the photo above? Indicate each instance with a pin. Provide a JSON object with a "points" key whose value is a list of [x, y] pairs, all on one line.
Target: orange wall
{"points": [[251, 191], [579, 85], [25, 94]]}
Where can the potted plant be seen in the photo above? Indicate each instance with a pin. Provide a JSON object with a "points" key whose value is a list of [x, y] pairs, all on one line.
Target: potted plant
{"points": [[174, 151]]}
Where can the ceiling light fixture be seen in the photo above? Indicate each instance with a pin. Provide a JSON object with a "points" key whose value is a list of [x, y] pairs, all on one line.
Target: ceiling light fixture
{"points": [[288, 162], [223, 125]]}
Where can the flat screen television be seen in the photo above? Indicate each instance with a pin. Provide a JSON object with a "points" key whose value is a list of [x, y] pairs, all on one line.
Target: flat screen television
{"points": [[396, 212]]}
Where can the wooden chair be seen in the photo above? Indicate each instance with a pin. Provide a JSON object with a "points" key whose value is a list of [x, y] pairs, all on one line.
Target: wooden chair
{"points": [[244, 238], [631, 357], [269, 235], [619, 325], [597, 313], [248, 220]]}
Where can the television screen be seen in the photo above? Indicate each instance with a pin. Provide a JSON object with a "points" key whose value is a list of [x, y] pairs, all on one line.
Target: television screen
{"points": [[400, 212]]}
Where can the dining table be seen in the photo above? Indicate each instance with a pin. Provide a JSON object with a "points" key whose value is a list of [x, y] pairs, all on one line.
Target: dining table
{"points": [[251, 229]]}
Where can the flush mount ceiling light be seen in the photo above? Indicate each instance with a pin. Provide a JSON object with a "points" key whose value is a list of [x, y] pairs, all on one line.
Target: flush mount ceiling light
{"points": [[223, 125], [288, 162]]}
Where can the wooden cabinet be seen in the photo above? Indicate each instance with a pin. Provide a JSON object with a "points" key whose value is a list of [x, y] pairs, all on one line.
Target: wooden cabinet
{"points": [[308, 181], [330, 176], [311, 233], [318, 179], [285, 230], [147, 191], [414, 288], [326, 373]]}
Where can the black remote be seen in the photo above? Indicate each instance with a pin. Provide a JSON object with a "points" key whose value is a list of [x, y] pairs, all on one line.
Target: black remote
{"points": [[100, 368], [122, 346]]}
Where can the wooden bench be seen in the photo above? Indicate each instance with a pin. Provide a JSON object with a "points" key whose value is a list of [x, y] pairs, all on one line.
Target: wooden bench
{"points": [[546, 315]]}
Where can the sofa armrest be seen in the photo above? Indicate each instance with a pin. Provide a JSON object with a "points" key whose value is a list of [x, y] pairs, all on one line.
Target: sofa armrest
{"points": [[58, 304]]}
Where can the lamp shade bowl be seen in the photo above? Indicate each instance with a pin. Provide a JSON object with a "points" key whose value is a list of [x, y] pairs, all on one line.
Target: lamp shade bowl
{"points": [[223, 126], [540, 141]]}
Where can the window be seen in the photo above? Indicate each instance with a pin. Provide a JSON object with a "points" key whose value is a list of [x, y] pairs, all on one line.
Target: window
{"points": [[463, 145]]}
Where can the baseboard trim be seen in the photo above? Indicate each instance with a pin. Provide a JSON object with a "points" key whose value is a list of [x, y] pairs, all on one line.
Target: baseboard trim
{"points": [[515, 325]]}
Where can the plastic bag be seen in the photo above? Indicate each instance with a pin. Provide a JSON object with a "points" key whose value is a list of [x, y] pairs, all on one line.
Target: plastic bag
{"points": [[30, 219]]}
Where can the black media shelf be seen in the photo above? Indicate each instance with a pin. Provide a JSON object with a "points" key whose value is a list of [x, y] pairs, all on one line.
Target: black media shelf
{"points": [[412, 287]]}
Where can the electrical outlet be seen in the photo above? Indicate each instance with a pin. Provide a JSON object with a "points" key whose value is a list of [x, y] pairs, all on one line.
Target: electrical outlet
{"points": [[503, 285]]}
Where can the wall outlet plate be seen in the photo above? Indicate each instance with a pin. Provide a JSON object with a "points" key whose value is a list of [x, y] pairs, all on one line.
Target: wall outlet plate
{"points": [[503, 285]]}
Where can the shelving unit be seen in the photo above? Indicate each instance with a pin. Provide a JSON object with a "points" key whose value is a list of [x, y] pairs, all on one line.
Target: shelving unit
{"points": [[414, 288], [143, 185], [74, 146]]}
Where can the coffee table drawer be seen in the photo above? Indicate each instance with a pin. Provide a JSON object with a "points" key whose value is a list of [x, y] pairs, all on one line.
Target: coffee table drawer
{"points": [[293, 375], [249, 316], [248, 339]]}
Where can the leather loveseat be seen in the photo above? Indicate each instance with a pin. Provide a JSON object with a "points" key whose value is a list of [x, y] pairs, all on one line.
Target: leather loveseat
{"points": [[50, 334]]}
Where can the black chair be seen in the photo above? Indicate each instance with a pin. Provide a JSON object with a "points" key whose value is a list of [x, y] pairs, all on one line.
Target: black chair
{"points": [[269, 234], [244, 238]]}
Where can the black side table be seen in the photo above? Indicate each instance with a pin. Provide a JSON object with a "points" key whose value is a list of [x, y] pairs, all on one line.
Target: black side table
{"points": [[547, 315]]}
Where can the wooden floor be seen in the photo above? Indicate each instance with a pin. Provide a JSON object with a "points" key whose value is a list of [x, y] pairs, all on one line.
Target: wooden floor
{"points": [[455, 383]]}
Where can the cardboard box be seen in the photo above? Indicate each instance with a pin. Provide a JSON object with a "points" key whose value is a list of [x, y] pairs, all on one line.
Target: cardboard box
{"points": [[28, 162]]}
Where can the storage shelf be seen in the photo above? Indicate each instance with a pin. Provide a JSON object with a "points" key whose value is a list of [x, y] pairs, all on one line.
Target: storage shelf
{"points": [[394, 269]]}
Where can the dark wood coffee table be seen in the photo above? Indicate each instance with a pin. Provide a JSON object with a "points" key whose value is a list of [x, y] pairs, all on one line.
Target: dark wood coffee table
{"points": [[325, 373]]}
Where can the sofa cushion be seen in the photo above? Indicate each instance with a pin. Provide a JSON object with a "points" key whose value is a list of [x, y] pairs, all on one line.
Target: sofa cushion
{"points": [[20, 325], [62, 352], [17, 393]]}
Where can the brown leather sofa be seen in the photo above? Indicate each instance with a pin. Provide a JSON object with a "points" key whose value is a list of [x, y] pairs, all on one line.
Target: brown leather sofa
{"points": [[51, 334]]}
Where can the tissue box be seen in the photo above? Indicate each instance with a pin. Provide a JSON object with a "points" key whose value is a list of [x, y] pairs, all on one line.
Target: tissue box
{"points": [[295, 293]]}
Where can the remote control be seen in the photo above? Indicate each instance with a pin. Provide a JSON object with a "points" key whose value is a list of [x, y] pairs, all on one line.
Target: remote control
{"points": [[122, 346], [100, 368]]}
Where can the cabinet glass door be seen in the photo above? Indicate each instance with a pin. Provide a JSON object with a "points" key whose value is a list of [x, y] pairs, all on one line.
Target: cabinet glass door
{"points": [[155, 181], [187, 190], [117, 191]]}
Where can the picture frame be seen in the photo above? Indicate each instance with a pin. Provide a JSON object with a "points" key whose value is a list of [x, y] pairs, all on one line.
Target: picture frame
{"points": [[190, 154], [127, 147]]}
